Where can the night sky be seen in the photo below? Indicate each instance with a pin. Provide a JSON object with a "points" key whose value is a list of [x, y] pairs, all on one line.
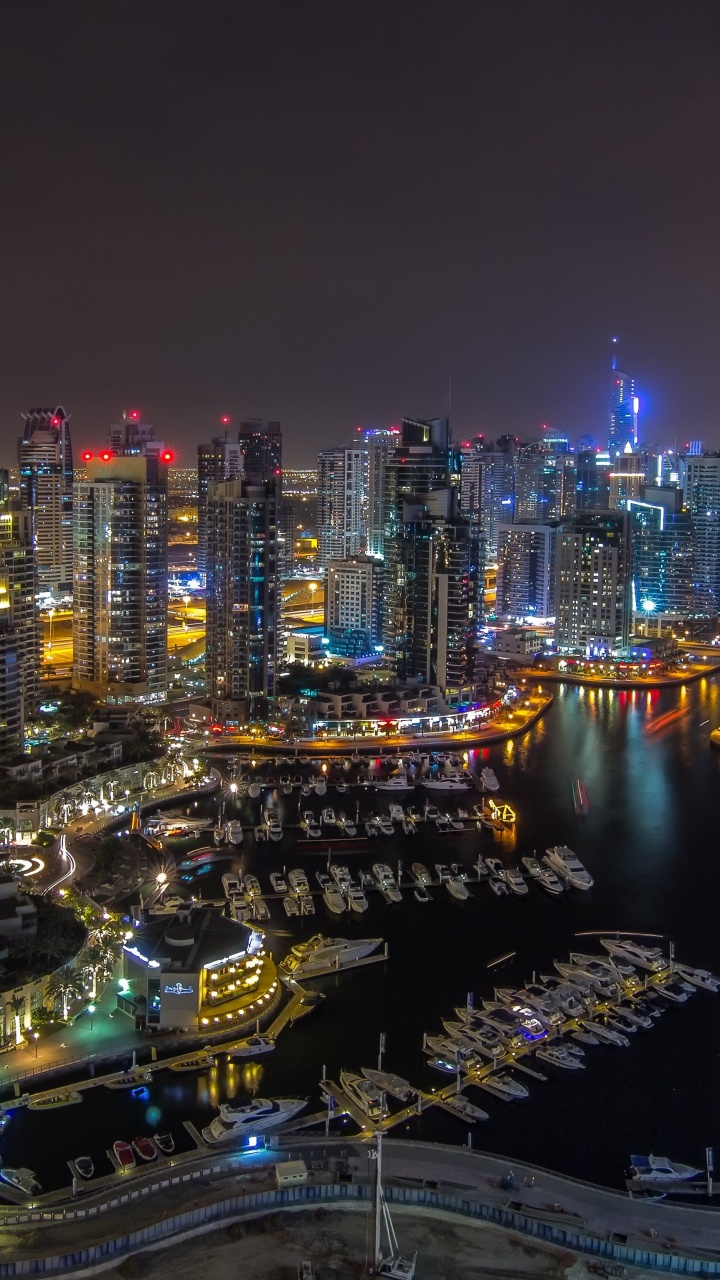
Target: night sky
{"points": [[319, 210]]}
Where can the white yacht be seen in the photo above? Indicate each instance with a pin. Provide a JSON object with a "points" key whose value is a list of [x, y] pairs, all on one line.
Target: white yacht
{"points": [[256, 1117], [457, 888], [23, 1179], [347, 827], [559, 1056], [392, 1084], [444, 783], [386, 882], [420, 873], [274, 829], [356, 900], [364, 1094], [231, 885], [654, 1169], [397, 813], [251, 886], [488, 777], [278, 882], [698, 977], [515, 880], [291, 905], [605, 1033], [397, 782], [328, 817], [333, 899], [463, 1108], [385, 826], [252, 1047], [568, 866], [637, 953], [320, 953], [505, 1087], [341, 876], [234, 831], [309, 824], [298, 882]]}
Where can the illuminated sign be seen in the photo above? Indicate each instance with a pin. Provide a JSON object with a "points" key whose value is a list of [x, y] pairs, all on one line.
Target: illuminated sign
{"points": [[178, 989]]}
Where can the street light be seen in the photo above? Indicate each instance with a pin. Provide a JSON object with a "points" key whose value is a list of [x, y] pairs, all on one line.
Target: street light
{"points": [[91, 1010], [36, 1037]]}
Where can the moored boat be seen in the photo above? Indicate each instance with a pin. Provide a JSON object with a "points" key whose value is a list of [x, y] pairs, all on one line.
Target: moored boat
{"points": [[49, 1101], [124, 1155], [144, 1148]]}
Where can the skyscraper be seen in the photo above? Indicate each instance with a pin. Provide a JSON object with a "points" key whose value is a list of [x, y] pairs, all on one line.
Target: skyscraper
{"points": [[340, 503], [664, 556], [526, 571], [261, 449], [220, 459], [497, 503], [701, 488], [242, 596], [593, 582], [120, 570], [627, 478], [353, 605], [17, 579], [545, 481], [376, 445], [45, 464], [624, 408]]}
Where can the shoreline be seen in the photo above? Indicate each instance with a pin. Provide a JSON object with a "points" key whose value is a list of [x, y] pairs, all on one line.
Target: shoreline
{"points": [[620, 682]]}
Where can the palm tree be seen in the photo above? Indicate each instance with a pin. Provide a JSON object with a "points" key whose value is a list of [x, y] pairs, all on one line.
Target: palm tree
{"points": [[17, 1009], [65, 984], [99, 959]]}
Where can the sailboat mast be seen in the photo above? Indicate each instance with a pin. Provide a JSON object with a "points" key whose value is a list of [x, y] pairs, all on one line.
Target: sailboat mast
{"points": [[377, 1247]]}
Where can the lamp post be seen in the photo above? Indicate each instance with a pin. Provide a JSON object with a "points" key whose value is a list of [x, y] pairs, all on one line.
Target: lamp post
{"points": [[91, 1010], [36, 1037]]}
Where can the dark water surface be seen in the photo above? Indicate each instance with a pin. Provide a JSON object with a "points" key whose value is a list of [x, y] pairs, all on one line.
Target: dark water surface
{"points": [[652, 842]]}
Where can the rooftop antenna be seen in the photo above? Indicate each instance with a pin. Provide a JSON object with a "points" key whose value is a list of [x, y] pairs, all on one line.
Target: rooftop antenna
{"points": [[614, 352], [449, 395]]}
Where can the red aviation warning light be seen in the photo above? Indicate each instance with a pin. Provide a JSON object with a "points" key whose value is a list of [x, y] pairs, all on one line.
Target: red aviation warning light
{"points": [[106, 455], [167, 455], [225, 420], [86, 455], [134, 415]]}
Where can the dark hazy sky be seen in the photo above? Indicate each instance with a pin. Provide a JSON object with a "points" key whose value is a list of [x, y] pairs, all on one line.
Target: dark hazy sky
{"points": [[317, 210]]}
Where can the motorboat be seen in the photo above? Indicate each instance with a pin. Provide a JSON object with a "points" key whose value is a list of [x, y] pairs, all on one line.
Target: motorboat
{"points": [[321, 953], [356, 900], [408, 827], [505, 1087], [392, 1084], [442, 872], [457, 888], [618, 968], [444, 783], [328, 818], [164, 1142], [396, 782], [543, 876], [194, 1062], [320, 786], [341, 876], [307, 906], [371, 828], [568, 866], [385, 826], [255, 1117], [431, 813], [341, 786], [631, 1014], [306, 787], [386, 882], [49, 1101], [144, 1148], [498, 886], [252, 1047], [658, 1169], [274, 829], [259, 910], [22, 1179], [130, 1079], [532, 866], [489, 779], [286, 783], [364, 1094], [601, 981], [413, 814], [496, 868], [219, 833], [310, 824], [290, 905], [231, 885], [559, 1056], [674, 992], [298, 882], [607, 1034], [585, 1037], [698, 977], [420, 873], [260, 834], [124, 1155], [458, 870], [463, 1108], [234, 832], [397, 813], [449, 1047], [515, 880], [278, 882], [347, 827], [251, 886], [323, 880], [636, 953], [442, 824], [455, 823], [572, 998], [421, 894], [84, 1166]]}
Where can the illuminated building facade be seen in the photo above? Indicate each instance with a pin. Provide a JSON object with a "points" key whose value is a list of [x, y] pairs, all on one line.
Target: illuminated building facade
{"points": [[45, 464], [120, 573], [353, 605], [17, 590], [526, 571], [624, 409], [701, 488], [593, 582], [220, 459], [340, 503], [665, 581], [242, 596]]}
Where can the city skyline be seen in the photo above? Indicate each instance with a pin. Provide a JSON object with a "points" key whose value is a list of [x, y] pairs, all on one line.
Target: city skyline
{"points": [[294, 232]]}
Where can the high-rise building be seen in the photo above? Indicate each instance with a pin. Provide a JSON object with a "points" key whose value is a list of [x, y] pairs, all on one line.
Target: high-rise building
{"points": [[526, 571], [545, 481], [261, 448], [377, 443], [241, 596], [665, 586], [497, 504], [701, 488], [472, 453], [340, 503], [593, 582], [353, 605], [627, 478], [592, 484], [45, 464], [624, 409], [120, 570], [18, 584], [220, 459]]}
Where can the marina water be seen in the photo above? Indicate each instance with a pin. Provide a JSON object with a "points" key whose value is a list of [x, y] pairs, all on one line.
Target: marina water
{"points": [[651, 839]]}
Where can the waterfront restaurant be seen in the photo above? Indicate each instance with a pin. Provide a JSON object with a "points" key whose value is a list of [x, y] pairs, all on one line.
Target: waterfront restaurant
{"points": [[196, 970]]}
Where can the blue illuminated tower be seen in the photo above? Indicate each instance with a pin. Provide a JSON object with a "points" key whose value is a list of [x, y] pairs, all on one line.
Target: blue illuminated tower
{"points": [[624, 407]]}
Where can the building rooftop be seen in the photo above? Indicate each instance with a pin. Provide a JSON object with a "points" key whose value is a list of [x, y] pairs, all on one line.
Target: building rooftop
{"points": [[190, 940]]}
